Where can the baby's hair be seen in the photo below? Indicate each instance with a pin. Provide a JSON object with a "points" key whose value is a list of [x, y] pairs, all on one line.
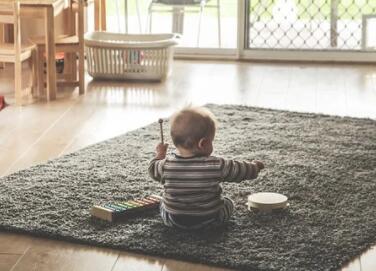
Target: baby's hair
{"points": [[191, 124]]}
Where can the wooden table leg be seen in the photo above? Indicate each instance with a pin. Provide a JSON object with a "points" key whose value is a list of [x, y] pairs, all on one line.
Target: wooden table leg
{"points": [[50, 53], [97, 10], [103, 15], [40, 75], [1, 41], [100, 15], [70, 71], [6, 35], [81, 53]]}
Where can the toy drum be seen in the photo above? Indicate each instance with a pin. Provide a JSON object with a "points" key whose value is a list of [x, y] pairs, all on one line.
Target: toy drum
{"points": [[267, 202]]}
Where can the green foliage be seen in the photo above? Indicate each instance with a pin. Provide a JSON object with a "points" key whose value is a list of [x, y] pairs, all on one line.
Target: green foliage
{"points": [[228, 8], [263, 9], [317, 9]]}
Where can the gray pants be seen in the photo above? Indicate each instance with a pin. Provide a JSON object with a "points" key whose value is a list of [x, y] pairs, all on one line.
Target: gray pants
{"points": [[188, 222]]}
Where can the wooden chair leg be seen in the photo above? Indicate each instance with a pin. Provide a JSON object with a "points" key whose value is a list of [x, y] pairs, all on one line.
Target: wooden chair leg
{"points": [[74, 62], [34, 74], [40, 73], [2, 39], [18, 82], [70, 73], [30, 81], [81, 73]]}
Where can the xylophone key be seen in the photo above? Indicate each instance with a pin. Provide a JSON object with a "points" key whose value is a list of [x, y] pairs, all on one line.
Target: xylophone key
{"points": [[140, 201], [123, 207], [113, 207], [149, 201], [135, 203], [153, 199], [125, 203]]}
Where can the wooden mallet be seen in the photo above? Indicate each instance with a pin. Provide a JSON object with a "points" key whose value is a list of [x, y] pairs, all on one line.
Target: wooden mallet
{"points": [[161, 129]]}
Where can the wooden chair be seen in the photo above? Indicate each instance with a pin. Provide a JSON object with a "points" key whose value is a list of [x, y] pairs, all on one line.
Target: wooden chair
{"points": [[17, 52], [179, 5], [72, 45]]}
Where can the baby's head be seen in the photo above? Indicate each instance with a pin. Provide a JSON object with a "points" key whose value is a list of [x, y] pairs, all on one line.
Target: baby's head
{"points": [[193, 131]]}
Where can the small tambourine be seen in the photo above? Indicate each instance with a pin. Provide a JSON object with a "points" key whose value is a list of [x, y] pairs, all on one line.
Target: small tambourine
{"points": [[267, 202]]}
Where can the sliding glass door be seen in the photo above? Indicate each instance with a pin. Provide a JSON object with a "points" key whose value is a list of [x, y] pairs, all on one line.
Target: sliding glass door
{"points": [[322, 29]]}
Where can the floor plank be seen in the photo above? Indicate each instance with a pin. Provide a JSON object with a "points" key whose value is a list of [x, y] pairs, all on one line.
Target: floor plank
{"points": [[135, 262], [54, 139], [12, 243], [26, 129], [7, 261], [49, 255], [173, 265]]}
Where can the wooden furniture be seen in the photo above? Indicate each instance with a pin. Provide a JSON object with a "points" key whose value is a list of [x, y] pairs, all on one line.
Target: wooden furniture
{"points": [[100, 15], [47, 10], [72, 45], [17, 52], [177, 8]]}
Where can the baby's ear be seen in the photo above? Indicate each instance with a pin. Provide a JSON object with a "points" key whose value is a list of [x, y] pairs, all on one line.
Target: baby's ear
{"points": [[202, 142]]}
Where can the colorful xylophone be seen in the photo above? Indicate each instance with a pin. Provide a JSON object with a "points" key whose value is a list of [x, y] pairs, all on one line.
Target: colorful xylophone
{"points": [[118, 210]]}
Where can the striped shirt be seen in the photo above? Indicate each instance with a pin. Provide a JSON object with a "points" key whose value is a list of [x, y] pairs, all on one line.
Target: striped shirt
{"points": [[192, 185]]}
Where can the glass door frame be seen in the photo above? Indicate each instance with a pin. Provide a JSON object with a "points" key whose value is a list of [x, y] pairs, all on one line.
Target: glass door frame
{"points": [[245, 53]]}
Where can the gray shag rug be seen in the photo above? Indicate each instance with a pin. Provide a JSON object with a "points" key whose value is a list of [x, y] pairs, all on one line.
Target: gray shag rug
{"points": [[326, 165]]}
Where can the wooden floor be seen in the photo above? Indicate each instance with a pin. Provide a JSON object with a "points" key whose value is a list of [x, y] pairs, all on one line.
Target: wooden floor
{"points": [[41, 131]]}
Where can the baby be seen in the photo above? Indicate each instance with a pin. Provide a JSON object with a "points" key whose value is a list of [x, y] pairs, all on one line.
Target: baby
{"points": [[191, 177]]}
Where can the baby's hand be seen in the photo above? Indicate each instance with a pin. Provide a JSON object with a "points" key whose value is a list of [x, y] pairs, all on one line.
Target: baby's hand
{"points": [[161, 150], [259, 164]]}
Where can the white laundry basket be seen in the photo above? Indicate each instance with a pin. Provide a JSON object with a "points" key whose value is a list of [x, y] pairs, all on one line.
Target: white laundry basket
{"points": [[129, 56]]}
